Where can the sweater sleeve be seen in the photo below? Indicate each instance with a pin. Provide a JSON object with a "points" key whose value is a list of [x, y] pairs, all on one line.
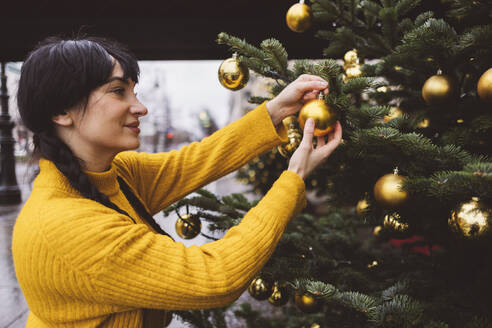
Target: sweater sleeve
{"points": [[144, 269], [161, 179]]}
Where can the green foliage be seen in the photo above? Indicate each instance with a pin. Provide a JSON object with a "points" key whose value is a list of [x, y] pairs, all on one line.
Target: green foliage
{"points": [[204, 318], [326, 250]]}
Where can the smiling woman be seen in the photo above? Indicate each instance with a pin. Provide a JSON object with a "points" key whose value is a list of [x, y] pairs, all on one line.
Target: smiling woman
{"points": [[86, 250], [108, 125]]}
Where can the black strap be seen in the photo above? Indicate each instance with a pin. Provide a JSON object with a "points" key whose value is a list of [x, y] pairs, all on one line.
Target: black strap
{"points": [[139, 208]]}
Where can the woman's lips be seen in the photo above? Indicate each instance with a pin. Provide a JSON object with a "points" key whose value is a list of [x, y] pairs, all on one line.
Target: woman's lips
{"points": [[134, 129]]}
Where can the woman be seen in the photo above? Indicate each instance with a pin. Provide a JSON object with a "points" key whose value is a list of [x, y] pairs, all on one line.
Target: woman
{"points": [[85, 255]]}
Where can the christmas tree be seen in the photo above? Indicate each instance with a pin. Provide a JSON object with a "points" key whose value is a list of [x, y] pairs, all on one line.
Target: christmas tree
{"points": [[398, 233]]}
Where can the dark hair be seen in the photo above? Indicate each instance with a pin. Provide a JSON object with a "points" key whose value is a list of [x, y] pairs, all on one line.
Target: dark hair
{"points": [[60, 74]]}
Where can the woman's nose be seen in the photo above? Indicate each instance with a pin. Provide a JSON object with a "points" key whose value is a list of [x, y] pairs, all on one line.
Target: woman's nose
{"points": [[139, 109]]}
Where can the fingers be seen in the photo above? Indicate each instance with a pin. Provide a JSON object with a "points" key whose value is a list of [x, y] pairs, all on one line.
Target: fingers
{"points": [[321, 142], [338, 132], [309, 77], [307, 138], [313, 94], [334, 140], [308, 86]]}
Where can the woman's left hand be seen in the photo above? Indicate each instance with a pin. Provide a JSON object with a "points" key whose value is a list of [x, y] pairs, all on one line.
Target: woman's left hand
{"points": [[294, 96]]}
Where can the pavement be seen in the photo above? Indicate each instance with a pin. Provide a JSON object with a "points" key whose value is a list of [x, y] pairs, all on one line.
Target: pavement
{"points": [[14, 309]]}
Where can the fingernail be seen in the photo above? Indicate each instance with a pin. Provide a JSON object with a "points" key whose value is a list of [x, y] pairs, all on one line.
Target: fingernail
{"points": [[323, 84]]}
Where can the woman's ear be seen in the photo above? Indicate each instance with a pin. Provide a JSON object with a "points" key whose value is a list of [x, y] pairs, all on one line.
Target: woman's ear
{"points": [[64, 119]]}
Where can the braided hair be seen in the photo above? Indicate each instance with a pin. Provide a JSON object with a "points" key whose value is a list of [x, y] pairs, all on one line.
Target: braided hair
{"points": [[59, 74]]}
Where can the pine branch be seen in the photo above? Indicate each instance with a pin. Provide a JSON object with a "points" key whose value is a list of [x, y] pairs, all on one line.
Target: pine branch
{"points": [[276, 55], [258, 100], [358, 85], [240, 46], [401, 311], [398, 288], [404, 6]]}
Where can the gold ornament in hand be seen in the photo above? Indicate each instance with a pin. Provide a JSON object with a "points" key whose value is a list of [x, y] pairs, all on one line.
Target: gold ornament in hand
{"points": [[324, 116]]}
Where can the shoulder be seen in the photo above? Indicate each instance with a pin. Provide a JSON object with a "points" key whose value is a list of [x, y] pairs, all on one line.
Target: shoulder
{"points": [[127, 163], [78, 230]]}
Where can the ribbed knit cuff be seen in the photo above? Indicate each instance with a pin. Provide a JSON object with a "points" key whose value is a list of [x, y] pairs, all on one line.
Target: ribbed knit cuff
{"points": [[285, 199], [260, 127]]}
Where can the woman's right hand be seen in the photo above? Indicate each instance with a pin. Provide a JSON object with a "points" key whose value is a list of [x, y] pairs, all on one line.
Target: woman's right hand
{"points": [[306, 158]]}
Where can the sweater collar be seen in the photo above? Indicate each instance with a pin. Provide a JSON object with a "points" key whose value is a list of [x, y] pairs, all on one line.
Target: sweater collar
{"points": [[106, 182]]}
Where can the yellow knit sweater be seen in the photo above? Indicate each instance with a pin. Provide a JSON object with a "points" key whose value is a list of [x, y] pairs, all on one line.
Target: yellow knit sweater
{"points": [[81, 264]]}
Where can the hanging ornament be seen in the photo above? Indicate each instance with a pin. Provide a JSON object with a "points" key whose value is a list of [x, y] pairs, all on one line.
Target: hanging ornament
{"points": [[393, 113], [293, 134], [299, 17], [392, 222], [484, 86], [471, 219], [188, 226], [260, 289], [315, 325], [307, 303], [387, 191], [377, 231], [382, 89], [351, 58], [280, 294], [423, 124], [233, 74], [438, 89], [352, 71], [323, 115], [362, 206]]}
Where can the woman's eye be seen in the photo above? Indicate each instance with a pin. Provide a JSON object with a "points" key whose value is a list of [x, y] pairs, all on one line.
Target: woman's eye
{"points": [[119, 91]]}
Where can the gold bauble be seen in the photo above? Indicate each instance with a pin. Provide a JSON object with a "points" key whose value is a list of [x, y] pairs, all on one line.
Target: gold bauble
{"points": [[353, 71], [260, 289], [293, 134], [188, 226], [424, 123], [484, 86], [392, 222], [323, 115], [377, 231], [387, 191], [315, 325], [438, 89], [471, 219], [299, 17], [362, 206], [233, 75], [308, 303], [280, 294], [393, 113], [351, 57]]}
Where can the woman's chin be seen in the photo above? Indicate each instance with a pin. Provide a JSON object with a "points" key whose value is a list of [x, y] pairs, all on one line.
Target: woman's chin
{"points": [[133, 145]]}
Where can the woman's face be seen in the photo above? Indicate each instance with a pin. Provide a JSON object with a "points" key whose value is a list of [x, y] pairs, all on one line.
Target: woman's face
{"points": [[110, 122]]}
